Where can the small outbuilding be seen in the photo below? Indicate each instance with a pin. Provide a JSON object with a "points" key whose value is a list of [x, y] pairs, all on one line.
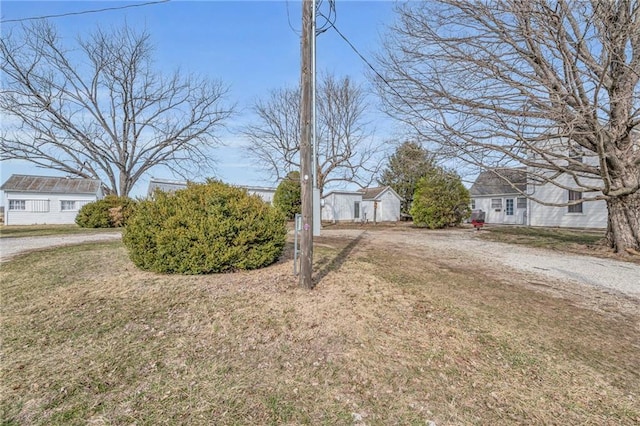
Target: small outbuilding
{"points": [[380, 204], [33, 200]]}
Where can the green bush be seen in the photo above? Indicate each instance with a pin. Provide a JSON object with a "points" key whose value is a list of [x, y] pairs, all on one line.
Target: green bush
{"points": [[110, 212], [204, 228], [287, 197], [440, 200]]}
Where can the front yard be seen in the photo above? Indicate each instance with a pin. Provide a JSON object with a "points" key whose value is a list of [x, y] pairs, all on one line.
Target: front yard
{"points": [[388, 336]]}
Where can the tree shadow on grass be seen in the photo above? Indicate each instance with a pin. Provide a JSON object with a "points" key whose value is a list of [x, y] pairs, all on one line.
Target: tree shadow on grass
{"points": [[336, 262]]}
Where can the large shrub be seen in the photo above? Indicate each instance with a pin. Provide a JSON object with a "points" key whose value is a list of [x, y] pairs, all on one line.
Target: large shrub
{"points": [[287, 197], [440, 200], [110, 212], [204, 228]]}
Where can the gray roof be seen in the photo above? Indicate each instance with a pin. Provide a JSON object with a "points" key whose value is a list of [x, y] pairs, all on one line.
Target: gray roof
{"points": [[175, 185], [165, 185], [50, 184], [500, 182], [374, 193]]}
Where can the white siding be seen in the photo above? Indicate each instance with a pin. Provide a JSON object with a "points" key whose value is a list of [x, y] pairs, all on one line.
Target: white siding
{"points": [[499, 215], [340, 206], [594, 213], [387, 209], [43, 208], [265, 193]]}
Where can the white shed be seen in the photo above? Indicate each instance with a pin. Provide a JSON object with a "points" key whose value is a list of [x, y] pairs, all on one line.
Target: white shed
{"points": [[367, 205], [381, 204], [32, 200], [342, 206]]}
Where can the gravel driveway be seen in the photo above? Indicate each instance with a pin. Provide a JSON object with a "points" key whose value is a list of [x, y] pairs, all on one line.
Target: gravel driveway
{"points": [[10, 247], [463, 247], [454, 245]]}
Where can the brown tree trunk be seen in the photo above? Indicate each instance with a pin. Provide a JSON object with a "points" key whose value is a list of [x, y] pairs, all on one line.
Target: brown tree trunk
{"points": [[623, 230]]}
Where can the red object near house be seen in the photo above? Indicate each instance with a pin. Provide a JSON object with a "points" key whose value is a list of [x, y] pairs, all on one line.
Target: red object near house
{"points": [[477, 219]]}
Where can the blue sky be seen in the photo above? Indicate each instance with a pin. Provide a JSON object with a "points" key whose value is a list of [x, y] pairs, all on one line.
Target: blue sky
{"points": [[249, 45]]}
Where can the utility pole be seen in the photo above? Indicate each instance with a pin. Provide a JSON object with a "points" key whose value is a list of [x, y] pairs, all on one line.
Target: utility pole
{"points": [[306, 152]]}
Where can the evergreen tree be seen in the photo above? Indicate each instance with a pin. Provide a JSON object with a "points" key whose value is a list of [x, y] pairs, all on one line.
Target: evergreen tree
{"points": [[287, 198], [406, 166], [440, 200]]}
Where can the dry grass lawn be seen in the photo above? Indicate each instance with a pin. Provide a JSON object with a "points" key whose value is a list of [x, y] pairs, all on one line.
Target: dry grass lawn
{"points": [[386, 337]]}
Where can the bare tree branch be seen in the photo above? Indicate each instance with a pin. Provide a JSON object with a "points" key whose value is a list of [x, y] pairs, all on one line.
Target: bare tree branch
{"points": [[346, 152], [101, 111], [553, 86]]}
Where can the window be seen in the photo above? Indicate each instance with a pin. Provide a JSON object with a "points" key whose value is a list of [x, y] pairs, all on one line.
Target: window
{"points": [[66, 205], [39, 206], [509, 207], [17, 205], [473, 204], [496, 203], [522, 203], [573, 196], [356, 209]]}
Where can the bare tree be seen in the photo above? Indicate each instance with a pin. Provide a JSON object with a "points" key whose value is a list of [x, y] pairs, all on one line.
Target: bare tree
{"points": [[101, 111], [346, 152], [551, 85]]}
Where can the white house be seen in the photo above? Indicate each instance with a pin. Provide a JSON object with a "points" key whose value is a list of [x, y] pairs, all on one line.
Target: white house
{"points": [[500, 193], [266, 193], [369, 205], [591, 214], [31, 200], [587, 214], [508, 196], [550, 187]]}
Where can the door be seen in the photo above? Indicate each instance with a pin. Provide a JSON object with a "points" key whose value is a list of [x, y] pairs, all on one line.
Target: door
{"points": [[509, 211]]}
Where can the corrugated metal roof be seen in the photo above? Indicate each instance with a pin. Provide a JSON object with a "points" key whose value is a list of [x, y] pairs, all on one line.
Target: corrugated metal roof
{"points": [[50, 184], [500, 181]]}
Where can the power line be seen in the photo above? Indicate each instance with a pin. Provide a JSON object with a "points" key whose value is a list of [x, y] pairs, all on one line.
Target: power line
{"points": [[380, 76], [289, 20], [418, 113], [83, 12], [330, 18]]}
